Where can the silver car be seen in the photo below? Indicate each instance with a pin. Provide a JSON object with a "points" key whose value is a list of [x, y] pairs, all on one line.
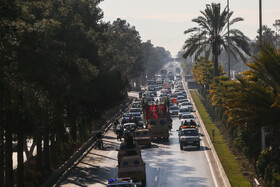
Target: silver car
{"points": [[174, 110]]}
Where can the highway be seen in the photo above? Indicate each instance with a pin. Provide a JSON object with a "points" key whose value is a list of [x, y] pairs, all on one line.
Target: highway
{"points": [[166, 164]]}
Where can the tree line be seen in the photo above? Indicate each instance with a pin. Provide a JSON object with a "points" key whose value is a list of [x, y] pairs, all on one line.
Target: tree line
{"points": [[248, 103], [245, 105], [62, 66]]}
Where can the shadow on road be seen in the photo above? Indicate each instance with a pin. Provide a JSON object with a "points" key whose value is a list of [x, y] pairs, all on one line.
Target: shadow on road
{"points": [[192, 148], [90, 174]]}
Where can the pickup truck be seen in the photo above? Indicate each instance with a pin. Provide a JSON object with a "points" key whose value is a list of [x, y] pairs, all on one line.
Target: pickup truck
{"points": [[189, 137]]}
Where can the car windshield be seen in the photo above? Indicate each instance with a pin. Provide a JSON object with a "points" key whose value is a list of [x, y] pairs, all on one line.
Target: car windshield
{"points": [[184, 110], [126, 126], [135, 110], [187, 116], [189, 133], [139, 118], [174, 108], [184, 100], [136, 105]]}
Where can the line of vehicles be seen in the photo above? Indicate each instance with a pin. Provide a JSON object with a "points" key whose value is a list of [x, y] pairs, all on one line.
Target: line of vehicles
{"points": [[150, 119]]}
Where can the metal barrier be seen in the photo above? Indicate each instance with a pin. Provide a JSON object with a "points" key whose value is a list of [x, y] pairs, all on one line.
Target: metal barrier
{"points": [[56, 177]]}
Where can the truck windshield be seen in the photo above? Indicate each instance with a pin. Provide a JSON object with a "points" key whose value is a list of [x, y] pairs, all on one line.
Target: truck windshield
{"points": [[189, 133]]}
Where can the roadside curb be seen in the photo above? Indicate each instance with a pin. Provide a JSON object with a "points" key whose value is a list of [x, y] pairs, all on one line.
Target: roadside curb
{"points": [[208, 139], [61, 173]]}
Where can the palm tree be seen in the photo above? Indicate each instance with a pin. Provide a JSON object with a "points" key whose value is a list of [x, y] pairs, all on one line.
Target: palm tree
{"points": [[211, 36], [253, 100]]}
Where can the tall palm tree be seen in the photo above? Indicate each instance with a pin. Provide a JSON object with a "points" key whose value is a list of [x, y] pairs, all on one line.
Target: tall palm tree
{"points": [[211, 36]]}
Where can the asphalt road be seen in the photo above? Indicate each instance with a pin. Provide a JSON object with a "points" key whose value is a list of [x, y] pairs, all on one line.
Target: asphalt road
{"points": [[166, 164]]}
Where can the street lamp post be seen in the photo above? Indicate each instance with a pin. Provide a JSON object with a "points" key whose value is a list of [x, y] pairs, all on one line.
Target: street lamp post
{"points": [[228, 40], [260, 19], [260, 34]]}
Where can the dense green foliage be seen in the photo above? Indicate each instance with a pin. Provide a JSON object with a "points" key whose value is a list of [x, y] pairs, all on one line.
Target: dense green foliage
{"points": [[269, 35], [202, 72], [154, 58], [246, 105], [211, 36], [232, 168], [61, 68]]}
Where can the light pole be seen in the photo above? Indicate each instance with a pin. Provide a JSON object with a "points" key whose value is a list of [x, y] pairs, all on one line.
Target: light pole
{"points": [[228, 40], [260, 20]]}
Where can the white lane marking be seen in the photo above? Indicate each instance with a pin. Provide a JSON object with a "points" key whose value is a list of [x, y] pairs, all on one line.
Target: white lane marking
{"points": [[204, 131], [156, 178], [210, 165]]}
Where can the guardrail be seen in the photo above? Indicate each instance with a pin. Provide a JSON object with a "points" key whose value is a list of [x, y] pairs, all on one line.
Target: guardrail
{"points": [[56, 177]]}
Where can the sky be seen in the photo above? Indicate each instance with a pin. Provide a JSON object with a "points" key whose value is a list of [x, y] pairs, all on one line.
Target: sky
{"points": [[164, 21]]}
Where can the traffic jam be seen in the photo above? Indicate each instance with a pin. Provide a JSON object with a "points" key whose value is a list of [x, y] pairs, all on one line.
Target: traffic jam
{"points": [[150, 120]]}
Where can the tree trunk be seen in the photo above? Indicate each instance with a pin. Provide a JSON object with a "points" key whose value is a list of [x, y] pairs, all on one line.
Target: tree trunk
{"points": [[9, 175], [215, 59], [39, 159], [46, 154], [1, 158], [29, 153], [73, 127], [20, 161], [137, 81], [276, 146], [52, 148]]}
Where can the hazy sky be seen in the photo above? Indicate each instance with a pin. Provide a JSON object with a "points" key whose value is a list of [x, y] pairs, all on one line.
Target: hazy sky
{"points": [[164, 21]]}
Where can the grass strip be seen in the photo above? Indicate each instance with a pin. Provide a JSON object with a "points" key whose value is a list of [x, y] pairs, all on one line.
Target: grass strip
{"points": [[232, 168]]}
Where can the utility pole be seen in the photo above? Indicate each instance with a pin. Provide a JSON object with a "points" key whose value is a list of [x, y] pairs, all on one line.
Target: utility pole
{"points": [[228, 40], [260, 20]]}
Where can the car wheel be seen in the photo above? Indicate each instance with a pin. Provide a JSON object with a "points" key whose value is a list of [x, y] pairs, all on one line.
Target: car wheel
{"points": [[181, 146], [198, 147], [143, 182]]}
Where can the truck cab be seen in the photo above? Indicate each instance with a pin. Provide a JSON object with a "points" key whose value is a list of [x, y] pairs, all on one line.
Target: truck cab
{"points": [[188, 136], [143, 137]]}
